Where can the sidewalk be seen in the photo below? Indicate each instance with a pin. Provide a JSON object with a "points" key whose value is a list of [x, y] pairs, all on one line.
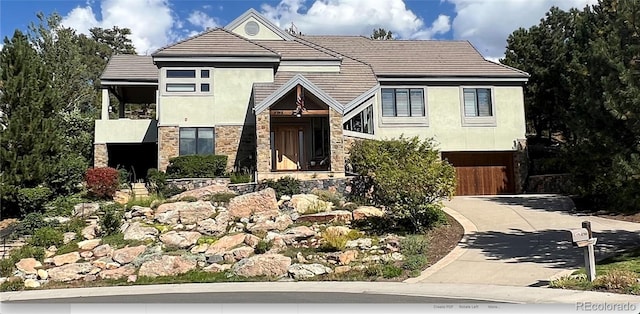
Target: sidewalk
{"points": [[521, 241]]}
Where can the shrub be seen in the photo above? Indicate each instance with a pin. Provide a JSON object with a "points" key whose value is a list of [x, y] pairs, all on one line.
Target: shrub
{"points": [[329, 196], [13, 285], [617, 279], [391, 271], [6, 267], [46, 237], [33, 199], [414, 262], [102, 182], [67, 174], [111, 220], [27, 251], [63, 205], [239, 177], [197, 166], [222, 197], [414, 245], [123, 176], [284, 186], [157, 180], [74, 225], [263, 246], [334, 241], [316, 207], [32, 222], [406, 176]]}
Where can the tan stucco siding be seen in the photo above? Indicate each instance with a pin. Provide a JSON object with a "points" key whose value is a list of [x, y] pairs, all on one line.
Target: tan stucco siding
{"points": [[263, 34], [445, 121], [228, 104], [125, 131]]}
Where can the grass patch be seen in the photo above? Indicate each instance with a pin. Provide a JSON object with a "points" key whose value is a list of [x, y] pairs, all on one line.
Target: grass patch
{"points": [[223, 198], [12, 286], [68, 248], [207, 239], [292, 252], [117, 241], [143, 202]]}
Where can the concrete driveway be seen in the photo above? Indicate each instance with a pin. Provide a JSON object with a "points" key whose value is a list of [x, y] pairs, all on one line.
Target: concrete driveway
{"points": [[521, 240]]}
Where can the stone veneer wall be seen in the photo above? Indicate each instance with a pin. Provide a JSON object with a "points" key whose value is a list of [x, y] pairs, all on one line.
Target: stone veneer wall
{"points": [[521, 165], [549, 184], [238, 143], [100, 155], [168, 145], [263, 141], [336, 141], [341, 185], [195, 183]]}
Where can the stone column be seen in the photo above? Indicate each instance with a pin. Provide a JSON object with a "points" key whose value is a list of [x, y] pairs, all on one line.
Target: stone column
{"points": [[238, 143], [336, 141], [521, 165], [168, 145], [263, 141], [100, 156]]}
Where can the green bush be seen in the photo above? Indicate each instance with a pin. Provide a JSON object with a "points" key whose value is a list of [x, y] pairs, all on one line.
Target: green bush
{"points": [[67, 174], [16, 285], [46, 237], [239, 177], [74, 225], [334, 240], [63, 205], [111, 220], [157, 180], [27, 251], [33, 199], [414, 245], [6, 267], [329, 196], [123, 176], [406, 176], [32, 222], [222, 197], [284, 186], [197, 166], [263, 246], [414, 262]]}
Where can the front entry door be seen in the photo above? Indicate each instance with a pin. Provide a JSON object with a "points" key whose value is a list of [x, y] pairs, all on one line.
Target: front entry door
{"points": [[287, 147]]}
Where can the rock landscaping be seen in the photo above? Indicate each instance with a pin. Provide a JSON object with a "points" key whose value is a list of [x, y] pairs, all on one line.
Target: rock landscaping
{"points": [[299, 237]]}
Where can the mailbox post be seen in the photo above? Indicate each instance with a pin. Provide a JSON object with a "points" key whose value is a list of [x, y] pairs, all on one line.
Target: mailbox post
{"points": [[583, 238]]}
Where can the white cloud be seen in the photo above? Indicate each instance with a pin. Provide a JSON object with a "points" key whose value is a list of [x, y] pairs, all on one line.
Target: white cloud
{"points": [[487, 24], [151, 21], [353, 17], [201, 19]]}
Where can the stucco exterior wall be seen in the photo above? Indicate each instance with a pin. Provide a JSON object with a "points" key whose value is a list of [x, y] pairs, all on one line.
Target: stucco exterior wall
{"points": [[229, 103], [126, 131], [263, 34], [445, 121]]}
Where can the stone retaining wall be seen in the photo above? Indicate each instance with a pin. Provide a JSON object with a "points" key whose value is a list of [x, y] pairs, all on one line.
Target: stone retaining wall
{"points": [[549, 183], [306, 186], [195, 183]]}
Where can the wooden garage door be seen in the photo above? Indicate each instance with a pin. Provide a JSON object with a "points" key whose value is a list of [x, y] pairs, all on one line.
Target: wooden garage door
{"points": [[482, 173]]}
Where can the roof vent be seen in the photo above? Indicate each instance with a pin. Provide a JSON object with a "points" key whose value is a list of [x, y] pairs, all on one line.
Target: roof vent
{"points": [[251, 28]]}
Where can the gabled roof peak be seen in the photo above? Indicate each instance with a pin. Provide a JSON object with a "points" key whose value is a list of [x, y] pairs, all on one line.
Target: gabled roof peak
{"points": [[252, 13]]}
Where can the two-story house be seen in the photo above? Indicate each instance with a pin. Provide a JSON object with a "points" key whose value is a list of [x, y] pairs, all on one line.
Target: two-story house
{"points": [[287, 104]]}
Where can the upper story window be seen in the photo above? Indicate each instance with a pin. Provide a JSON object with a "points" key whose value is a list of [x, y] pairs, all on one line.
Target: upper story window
{"points": [[403, 102], [186, 81], [477, 106], [362, 122]]}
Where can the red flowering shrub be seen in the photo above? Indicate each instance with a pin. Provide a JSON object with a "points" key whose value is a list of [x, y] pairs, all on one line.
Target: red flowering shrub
{"points": [[102, 182]]}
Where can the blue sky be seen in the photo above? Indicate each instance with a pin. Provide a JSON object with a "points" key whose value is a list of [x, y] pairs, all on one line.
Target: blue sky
{"points": [[155, 23]]}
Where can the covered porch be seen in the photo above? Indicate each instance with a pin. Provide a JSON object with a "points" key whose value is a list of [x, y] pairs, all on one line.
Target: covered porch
{"points": [[299, 134]]}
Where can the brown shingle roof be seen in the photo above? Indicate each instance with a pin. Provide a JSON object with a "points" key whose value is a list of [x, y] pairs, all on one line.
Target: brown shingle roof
{"points": [[130, 68], [353, 80], [215, 42], [297, 50], [416, 57]]}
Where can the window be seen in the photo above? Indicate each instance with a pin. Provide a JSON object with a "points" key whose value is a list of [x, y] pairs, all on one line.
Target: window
{"points": [[187, 81], [477, 102], [361, 122], [197, 141], [403, 102], [181, 73]]}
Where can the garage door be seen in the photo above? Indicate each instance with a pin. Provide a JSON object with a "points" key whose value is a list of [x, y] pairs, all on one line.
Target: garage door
{"points": [[482, 173]]}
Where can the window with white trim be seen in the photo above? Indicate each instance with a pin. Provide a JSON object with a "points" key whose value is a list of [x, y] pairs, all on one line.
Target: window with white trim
{"points": [[362, 122], [187, 81], [197, 141], [477, 106], [403, 102]]}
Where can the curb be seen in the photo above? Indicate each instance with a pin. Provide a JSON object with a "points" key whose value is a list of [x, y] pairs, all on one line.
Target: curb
{"points": [[468, 227]]}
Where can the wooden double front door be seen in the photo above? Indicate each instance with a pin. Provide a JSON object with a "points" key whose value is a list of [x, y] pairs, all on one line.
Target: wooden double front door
{"points": [[286, 142]]}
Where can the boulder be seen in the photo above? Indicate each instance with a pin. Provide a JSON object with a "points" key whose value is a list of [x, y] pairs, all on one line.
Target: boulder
{"points": [[225, 243], [139, 211], [181, 239], [31, 283], [251, 240], [88, 245], [327, 217], [215, 227], [69, 272], [102, 262], [300, 271], [341, 269], [280, 223], [28, 265], [362, 243], [132, 278], [263, 202], [68, 237], [136, 231], [85, 209], [128, 254], [346, 257], [269, 265], [203, 193], [117, 273], [42, 274], [364, 212], [293, 234], [68, 258], [89, 232], [184, 212], [86, 254], [166, 265], [303, 203], [200, 248], [102, 250], [238, 254]]}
